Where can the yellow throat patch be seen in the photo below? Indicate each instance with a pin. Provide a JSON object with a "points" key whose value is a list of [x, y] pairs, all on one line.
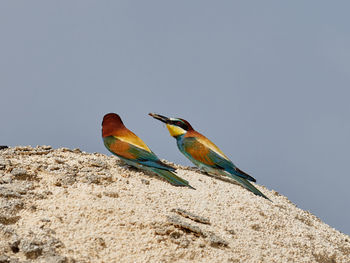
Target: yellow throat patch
{"points": [[175, 130]]}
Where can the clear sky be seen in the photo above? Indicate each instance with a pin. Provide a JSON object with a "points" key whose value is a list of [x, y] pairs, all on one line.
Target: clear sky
{"points": [[267, 81]]}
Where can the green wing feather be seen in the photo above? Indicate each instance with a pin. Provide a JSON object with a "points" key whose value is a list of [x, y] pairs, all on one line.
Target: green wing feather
{"points": [[246, 184]]}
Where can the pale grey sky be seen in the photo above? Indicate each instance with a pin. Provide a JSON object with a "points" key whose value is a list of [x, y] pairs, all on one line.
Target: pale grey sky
{"points": [[267, 81]]}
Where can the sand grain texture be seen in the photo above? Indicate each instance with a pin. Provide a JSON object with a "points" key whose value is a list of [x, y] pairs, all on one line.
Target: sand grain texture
{"points": [[65, 205]]}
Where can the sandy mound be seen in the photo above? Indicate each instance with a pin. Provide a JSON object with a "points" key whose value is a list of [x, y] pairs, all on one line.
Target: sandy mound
{"points": [[69, 206]]}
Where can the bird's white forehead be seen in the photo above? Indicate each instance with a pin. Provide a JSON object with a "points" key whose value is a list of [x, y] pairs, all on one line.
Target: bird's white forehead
{"points": [[174, 119]]}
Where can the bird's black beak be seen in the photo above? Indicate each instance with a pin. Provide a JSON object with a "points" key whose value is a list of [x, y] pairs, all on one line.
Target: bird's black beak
{"points": [[160, 117]]}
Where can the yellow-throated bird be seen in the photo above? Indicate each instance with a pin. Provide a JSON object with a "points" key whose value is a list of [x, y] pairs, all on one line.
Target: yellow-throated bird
{"points": [[205, 154], [131, 149]]}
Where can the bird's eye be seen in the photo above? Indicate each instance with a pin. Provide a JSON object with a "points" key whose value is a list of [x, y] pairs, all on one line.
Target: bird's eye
{"points": [[181, 125]]}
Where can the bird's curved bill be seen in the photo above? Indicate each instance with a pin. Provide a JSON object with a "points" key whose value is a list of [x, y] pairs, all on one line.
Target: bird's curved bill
{"points": [[160, 117]]}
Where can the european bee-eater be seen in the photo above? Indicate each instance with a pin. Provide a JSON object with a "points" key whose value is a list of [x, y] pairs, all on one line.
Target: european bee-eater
{"points": [[204, 153], [131, 149]]}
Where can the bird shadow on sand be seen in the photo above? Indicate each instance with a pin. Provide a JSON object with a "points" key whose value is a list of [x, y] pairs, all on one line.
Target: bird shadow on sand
{"points": [[150, 174], [194, 169], [217, 177]]}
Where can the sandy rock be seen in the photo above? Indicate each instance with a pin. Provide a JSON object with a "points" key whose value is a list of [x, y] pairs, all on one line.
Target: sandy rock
{"points": [[70, 206], [32, 249], [9, 192], [3, 163], [55, 259], [7, 259], [6, 178], [9, 209], [19, 172], [65, 180]]}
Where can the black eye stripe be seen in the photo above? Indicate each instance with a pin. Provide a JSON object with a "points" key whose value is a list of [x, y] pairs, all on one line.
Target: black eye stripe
{"points": [[181, 125]]}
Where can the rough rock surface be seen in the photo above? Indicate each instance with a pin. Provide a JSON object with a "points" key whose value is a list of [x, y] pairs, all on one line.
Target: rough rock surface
{"points": [[70, 206]]}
